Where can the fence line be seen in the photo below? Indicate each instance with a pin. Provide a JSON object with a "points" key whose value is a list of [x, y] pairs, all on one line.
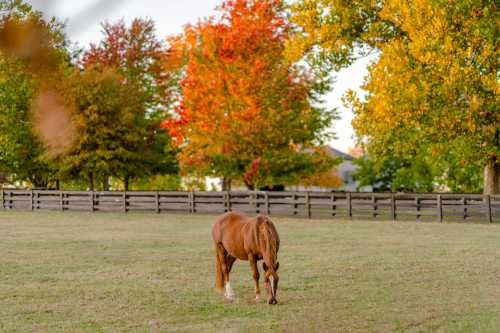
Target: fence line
{"points": [[395, 206]]}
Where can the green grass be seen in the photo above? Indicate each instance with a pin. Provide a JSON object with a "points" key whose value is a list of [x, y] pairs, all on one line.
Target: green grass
{"points": [[79, 272]]}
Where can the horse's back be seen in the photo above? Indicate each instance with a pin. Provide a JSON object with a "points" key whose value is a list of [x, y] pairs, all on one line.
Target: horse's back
{"points": [[226, 222], [235, 231]]}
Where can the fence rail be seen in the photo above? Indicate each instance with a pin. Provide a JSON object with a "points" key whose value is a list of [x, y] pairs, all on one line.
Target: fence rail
{"points": [[395, 206]]}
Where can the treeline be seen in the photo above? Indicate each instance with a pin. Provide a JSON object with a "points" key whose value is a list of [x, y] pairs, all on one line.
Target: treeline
{"points": [[230, 98], [229, 102]]}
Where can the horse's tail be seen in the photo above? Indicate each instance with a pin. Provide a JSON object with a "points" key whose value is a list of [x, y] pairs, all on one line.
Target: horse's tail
{"points": [[219, 276]]}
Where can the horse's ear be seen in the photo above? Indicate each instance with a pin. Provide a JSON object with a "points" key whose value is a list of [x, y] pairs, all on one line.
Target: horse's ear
{"points": [[264, 266], [277, 266]]}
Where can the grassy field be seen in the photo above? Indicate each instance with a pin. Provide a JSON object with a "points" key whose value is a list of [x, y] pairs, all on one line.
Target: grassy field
{"points": [[78, 272]]}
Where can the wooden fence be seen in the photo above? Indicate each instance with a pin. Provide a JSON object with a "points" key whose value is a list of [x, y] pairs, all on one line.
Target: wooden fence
{"points": [[394, 206]]}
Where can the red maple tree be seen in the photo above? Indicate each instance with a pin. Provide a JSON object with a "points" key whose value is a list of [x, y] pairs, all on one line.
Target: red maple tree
{"points": [[136, 53]]}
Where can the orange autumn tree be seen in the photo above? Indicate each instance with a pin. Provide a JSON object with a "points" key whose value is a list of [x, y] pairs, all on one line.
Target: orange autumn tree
{"points": [[245, 113]]}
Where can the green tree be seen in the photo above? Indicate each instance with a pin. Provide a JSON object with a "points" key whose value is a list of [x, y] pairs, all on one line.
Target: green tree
{"points": [[113, 137], [417, 171]]}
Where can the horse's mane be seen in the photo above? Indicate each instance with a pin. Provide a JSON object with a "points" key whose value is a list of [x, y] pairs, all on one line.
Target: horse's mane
{"points": [[272, 241]]}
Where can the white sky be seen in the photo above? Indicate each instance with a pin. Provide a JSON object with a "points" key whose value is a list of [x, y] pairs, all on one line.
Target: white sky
{"points": [[83, 26]]}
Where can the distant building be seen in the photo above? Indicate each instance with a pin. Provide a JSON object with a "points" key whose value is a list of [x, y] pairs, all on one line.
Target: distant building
{"points": [[345, 171]]}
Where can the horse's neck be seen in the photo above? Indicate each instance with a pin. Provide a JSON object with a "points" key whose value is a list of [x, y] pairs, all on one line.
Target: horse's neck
{"points": [[270, 247]]}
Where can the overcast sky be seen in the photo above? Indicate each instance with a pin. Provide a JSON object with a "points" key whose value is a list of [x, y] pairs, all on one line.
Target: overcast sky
{"points": [[83, 19]]}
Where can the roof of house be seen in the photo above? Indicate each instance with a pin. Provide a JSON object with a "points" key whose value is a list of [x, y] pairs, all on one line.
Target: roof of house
{"points": [[333, 153], [337, 153]]}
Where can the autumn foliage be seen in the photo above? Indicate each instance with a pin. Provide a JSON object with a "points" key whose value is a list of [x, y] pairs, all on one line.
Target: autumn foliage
{"points": [[138, 55], [432, 94], [245, 112]]}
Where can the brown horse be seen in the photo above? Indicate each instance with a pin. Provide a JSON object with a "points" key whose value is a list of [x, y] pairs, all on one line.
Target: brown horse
{"points": [[237, 236]]}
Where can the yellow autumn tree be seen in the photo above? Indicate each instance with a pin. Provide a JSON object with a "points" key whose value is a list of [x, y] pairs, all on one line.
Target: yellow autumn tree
{"points": [[434, 87]]}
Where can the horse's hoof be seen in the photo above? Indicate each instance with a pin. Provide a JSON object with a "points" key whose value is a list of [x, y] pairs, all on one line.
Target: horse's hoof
{"points": [[272, 301], [257, 297]]}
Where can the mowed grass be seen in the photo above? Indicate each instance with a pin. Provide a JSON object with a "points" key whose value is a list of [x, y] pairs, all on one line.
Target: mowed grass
{"points": [[79, 272]]}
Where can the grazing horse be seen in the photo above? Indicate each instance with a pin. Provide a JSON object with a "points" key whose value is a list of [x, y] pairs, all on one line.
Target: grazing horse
{"points": [[237, 236]]}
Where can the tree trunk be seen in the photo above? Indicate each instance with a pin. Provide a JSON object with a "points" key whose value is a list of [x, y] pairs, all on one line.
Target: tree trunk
{"points": [[39, 183], [226, 184], [249, 186], [91, 181], [126, 182], [105, 184], [492, 178], [58, 184]]}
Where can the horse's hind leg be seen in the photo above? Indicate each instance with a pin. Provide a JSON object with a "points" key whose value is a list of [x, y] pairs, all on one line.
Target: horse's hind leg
{"points": [[222, 255], [256, 275]]}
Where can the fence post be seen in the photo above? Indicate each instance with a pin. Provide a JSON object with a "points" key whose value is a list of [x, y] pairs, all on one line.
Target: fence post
{"points": [[295, 203], [440, 207], [91, 201], [488, 209], [374, 203], [349, 205], [224, 201], [190, 201], [268, 209], [193, 201], [227, 201], [334, 206], [61, 200], [124, 201], [157, 202], [464, 206], [308, 205], [3, 201], [417, 204], [393, 206], [31, 200], [255, 196]]}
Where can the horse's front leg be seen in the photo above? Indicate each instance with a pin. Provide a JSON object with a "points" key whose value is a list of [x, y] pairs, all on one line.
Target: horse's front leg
{"points": [[256, 275]]}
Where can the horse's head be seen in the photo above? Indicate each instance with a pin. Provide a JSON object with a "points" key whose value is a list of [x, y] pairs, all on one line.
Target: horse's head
{"points": [[271, 279]]}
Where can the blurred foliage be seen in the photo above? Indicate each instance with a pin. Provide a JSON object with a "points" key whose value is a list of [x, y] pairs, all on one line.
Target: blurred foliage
{"points": [[170, 182], [116, 106], [32, 52]]}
